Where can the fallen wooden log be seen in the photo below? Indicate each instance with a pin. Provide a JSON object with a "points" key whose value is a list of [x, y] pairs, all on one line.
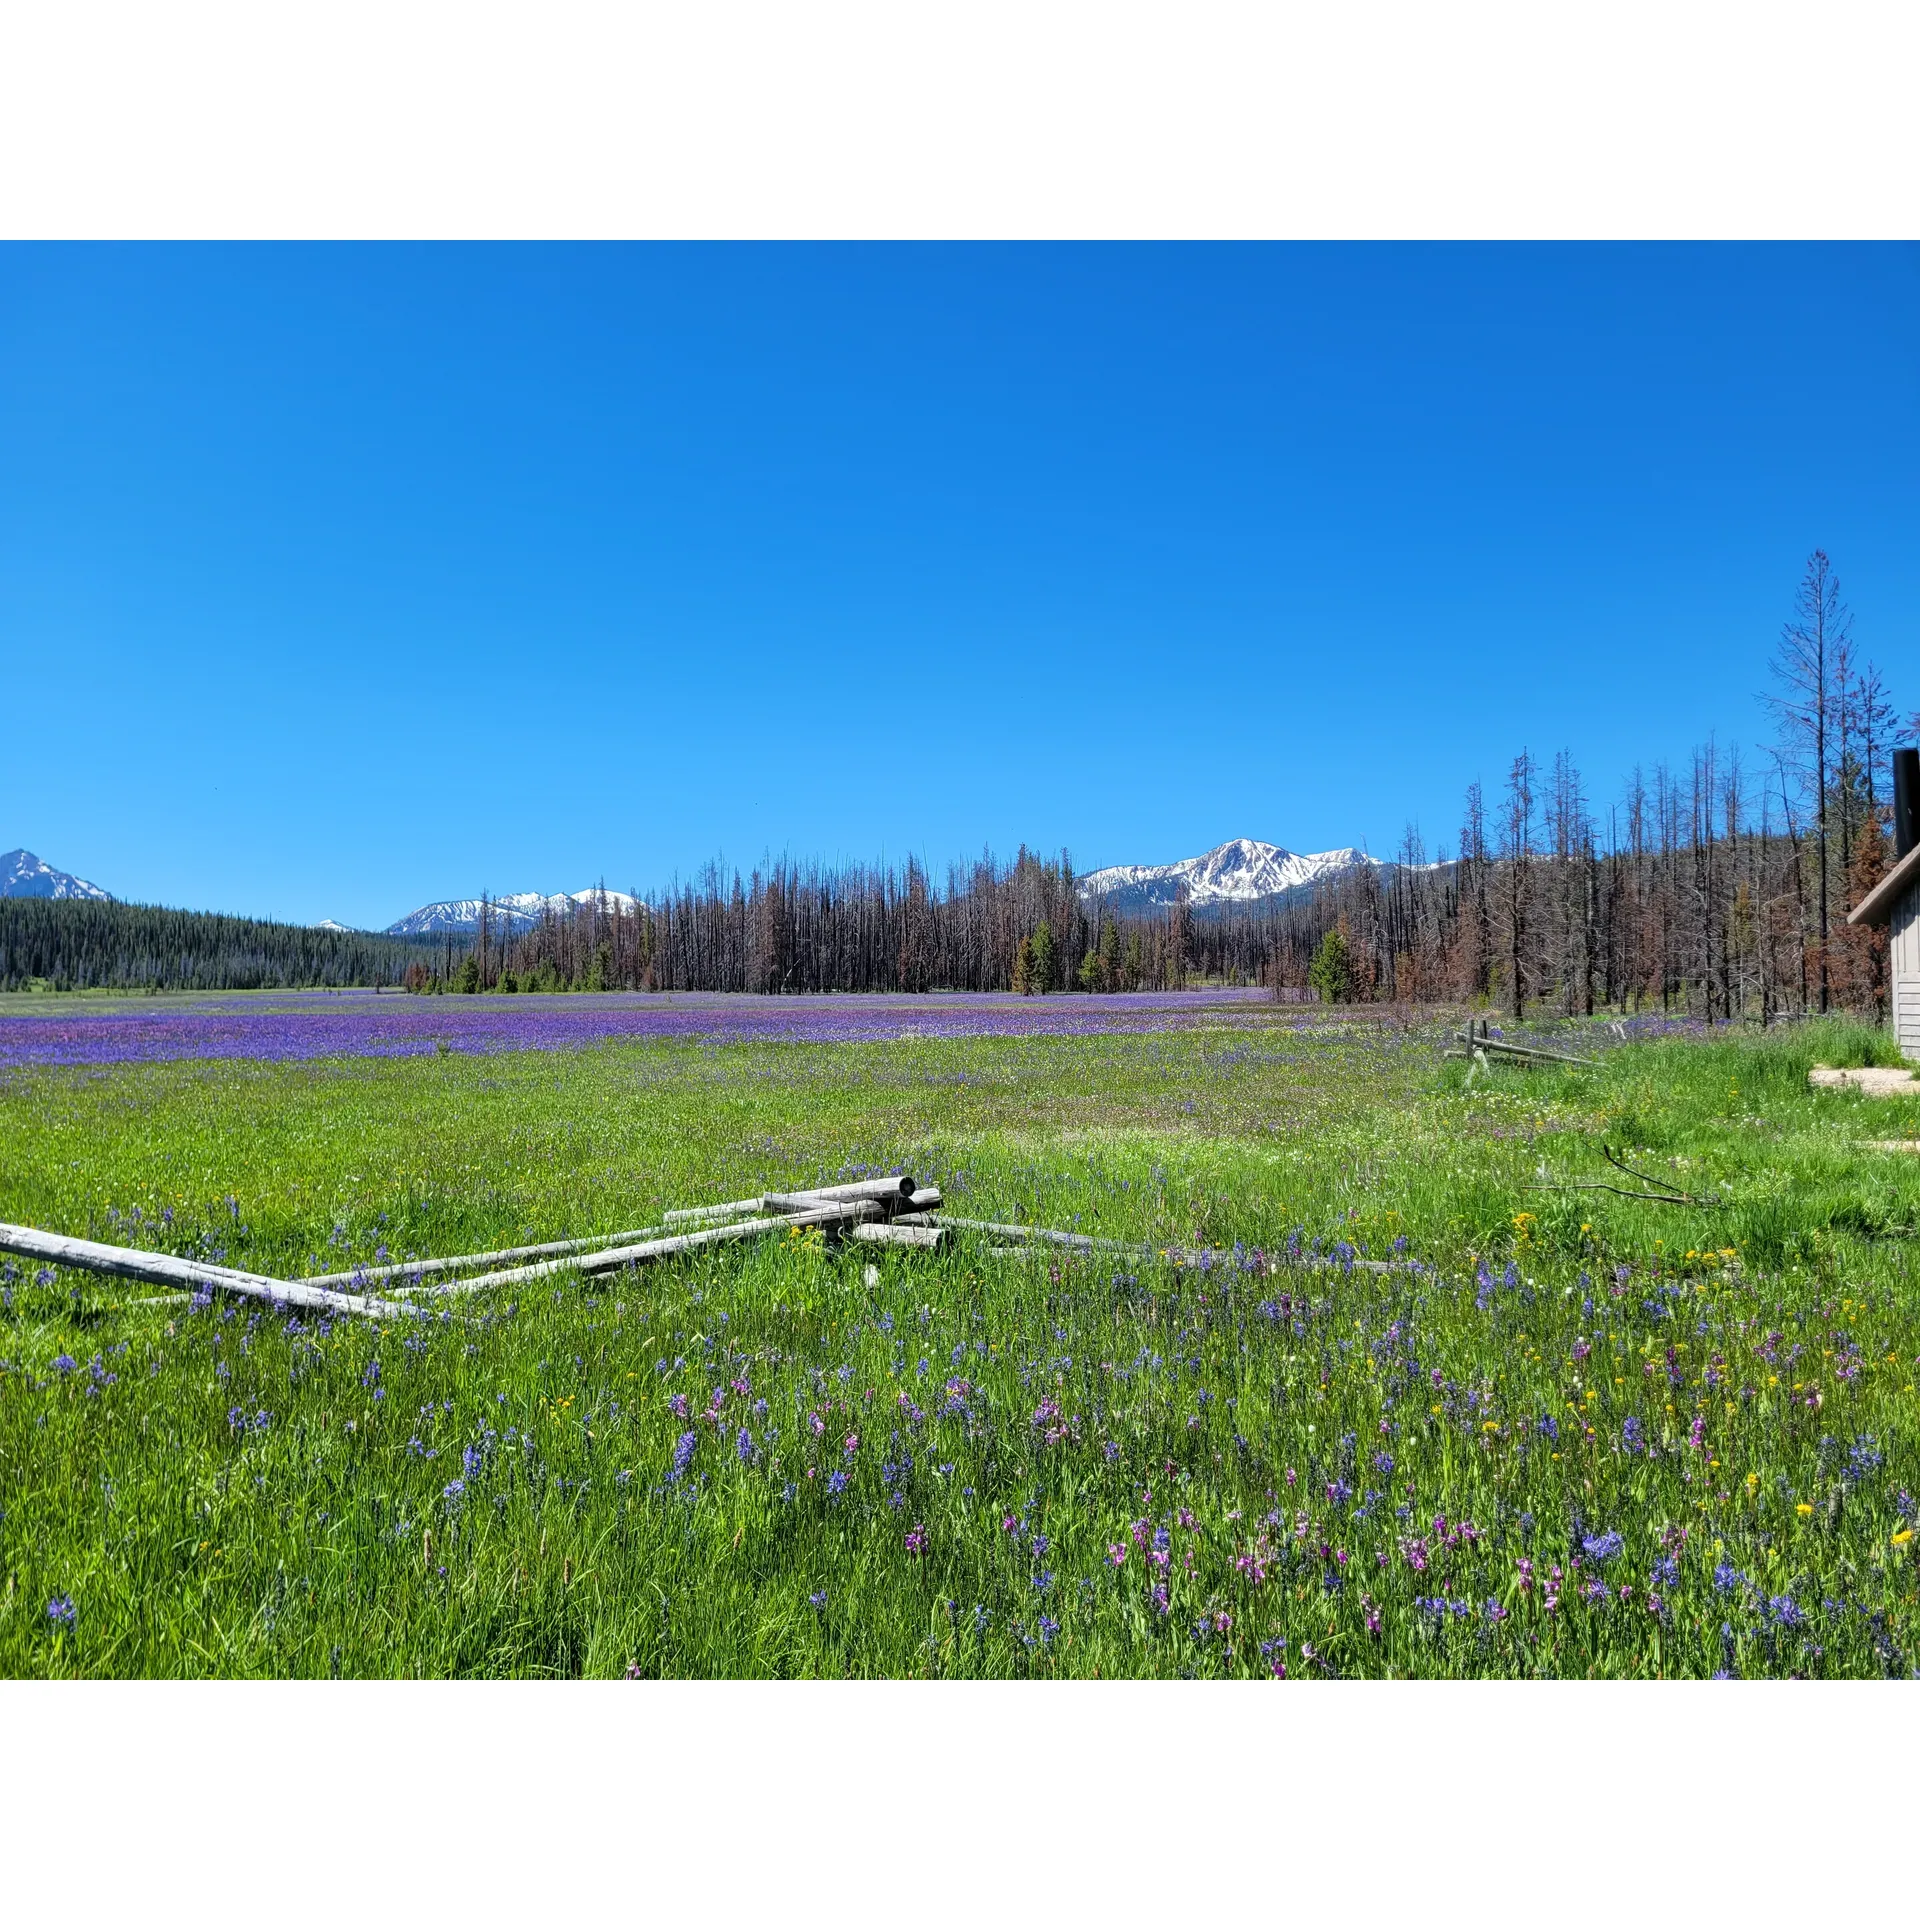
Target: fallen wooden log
{"points": [[186, 1276], [892, 1234], [414, 1268], [1191, 1257], [1472, 1044], [896, 1189], [848, 1212], [726, 1210]]}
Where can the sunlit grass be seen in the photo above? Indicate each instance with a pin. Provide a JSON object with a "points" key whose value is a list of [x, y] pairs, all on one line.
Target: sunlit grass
{"points": [[1387, 1471]]}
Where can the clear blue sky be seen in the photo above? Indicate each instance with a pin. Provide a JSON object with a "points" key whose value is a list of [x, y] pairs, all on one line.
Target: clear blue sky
{"points": [[334, 580]]}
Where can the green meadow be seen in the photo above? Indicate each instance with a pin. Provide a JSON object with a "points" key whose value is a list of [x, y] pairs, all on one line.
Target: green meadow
{"points": [[1554, 1373]]}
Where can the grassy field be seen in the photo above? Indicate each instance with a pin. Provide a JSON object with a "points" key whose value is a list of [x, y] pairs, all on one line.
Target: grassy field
{"points": [[1446, 1408]]}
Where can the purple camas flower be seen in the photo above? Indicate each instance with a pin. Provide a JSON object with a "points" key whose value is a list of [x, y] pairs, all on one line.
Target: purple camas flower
{"points": [[683, 1450], [1159, 1598], [61, 1612], [836, 1483], [1725, 1580], [272, 1026], [916, 1541], [1048, 1628], [1601, 1546], [817, 1600], [64, 1363], [454, 1492], [1632, 1438], [678, 1405]]}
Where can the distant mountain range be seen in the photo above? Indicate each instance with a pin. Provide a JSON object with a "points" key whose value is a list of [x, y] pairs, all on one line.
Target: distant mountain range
{"points": [[25, 876], [1239, 873], [513, 909]]}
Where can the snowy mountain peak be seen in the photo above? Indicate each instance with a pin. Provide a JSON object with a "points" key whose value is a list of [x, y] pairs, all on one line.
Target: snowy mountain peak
{"points": [[25, 875], [1239, 872], [510, 911]]}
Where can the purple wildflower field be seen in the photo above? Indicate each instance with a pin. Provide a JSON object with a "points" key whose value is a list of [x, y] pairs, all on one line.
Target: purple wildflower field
{"points": [[307, 1026]]}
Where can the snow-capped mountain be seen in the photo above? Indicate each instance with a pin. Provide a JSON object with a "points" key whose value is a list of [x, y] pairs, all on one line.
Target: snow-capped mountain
{"points": [[333, 926], [1240, 873], [511, 909], [25, 875]]}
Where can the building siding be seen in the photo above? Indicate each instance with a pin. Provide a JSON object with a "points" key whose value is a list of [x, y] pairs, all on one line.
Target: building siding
{"points": [[1904, 957]]}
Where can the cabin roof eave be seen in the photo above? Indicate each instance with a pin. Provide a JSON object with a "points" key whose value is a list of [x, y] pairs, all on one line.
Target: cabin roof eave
{"points": [[1879, 904]]}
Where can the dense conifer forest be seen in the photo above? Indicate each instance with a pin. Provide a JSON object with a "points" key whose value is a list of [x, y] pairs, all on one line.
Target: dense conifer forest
{"points": [[64, 944]]}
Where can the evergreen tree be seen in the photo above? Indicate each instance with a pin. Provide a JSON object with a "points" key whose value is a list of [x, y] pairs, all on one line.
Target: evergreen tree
{"points": [[1046, 960], [1023, 965], [1331, 973]]}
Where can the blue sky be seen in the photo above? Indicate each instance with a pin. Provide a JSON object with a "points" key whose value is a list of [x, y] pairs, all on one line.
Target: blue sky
{"points": [[334, 580]]}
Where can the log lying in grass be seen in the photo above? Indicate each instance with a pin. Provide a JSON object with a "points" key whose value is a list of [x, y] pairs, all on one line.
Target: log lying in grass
{"points": [[187, 1276], [726, 1210], [893, 1234], [611, 1259], [1049, 1236], [895, 1191], [1478, 1044], [1138, 1250], [504, 1256]]}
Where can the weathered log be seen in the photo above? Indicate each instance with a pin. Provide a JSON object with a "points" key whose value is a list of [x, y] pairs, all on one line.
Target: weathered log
{"points": [[895, 1190], [1050, 1236], [1484, 1043], [613, 1258], [1189, 1257], [501, 1257], [726, 1210], [188, 1276], [892, 1234]]}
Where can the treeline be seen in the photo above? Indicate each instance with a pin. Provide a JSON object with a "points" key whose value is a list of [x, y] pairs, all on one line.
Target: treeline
{"points": [[1720, 888], [66, 944], [814, 929]]}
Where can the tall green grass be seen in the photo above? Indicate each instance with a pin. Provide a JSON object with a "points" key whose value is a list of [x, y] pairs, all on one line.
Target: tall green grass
{"points": [[1358, 1469]]}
